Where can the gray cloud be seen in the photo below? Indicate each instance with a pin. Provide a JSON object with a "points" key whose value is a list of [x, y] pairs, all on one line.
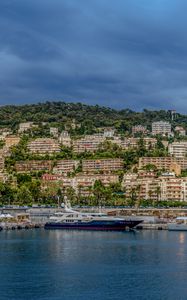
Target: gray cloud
{"points": [[121, 54]]}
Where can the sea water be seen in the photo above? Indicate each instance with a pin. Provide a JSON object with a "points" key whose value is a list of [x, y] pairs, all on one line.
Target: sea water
{"points": [[62, 265]]}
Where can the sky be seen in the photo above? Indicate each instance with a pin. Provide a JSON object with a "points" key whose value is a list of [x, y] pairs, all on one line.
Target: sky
{"points": [[122, 53]]}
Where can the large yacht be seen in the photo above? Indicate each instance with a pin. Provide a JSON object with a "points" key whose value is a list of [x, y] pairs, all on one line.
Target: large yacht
{"points": [[71, 219]]}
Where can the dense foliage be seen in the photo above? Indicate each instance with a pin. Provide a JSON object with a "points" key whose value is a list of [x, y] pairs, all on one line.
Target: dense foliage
{"points": [[89, 116]]}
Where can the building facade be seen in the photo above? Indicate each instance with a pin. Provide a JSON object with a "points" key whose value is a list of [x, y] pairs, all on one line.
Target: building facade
{"points": [[11, 140], [139, 129], [33, 166], [178, 149], [102, 165], [166, 187], [161, 127], [88, 143], [65, 166], [44, 146]]}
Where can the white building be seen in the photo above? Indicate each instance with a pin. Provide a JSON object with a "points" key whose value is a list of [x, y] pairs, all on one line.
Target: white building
{"points": [[180, 130], [161, 127], [25, 126], [65, 139], [54, 131], [109, 132], [44, 146], [178, 149]]}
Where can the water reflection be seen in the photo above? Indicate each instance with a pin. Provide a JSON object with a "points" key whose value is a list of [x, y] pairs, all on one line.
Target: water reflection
{"points": [[182, 236]]}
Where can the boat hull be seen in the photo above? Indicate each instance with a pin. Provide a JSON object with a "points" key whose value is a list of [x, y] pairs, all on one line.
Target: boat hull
{"points": [[95, 226], [177, 227]]}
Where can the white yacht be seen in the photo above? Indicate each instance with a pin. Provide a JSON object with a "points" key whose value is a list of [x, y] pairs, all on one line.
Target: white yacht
{"points": [[180, 224], [71, 219]]}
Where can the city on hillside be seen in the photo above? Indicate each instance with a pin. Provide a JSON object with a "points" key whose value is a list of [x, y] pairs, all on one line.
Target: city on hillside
{"points": [[93, 155]]}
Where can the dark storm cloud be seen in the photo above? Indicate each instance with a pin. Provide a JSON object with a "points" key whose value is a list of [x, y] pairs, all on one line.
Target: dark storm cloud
{"points": [[120, 53]]}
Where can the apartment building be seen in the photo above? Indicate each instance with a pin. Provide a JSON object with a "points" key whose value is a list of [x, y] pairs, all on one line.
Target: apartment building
{"points": [[139, 129], [180, 130], [4, 132], [88, 143], [53, 131], [108, 132], [44, 146], [89, 180], [172, 189], [63, 181], [166, 187], [82, 184], [91, 143], [130, 143], [65, 166], [178, 149], [11, 140], [163, 163], [85, 183], [116, 140], [33, 166], [102, 165], [182, 162], [161, 127], [159, 162], [25, 126], [140, 187], [65, 139]]}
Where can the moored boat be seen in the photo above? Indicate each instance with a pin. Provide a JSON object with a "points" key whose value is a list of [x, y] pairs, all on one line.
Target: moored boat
{"points": [[180, 224], [70, 219]]}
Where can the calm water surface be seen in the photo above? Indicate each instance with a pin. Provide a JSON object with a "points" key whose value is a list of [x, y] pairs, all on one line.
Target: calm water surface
{"points": [[64, 265]]}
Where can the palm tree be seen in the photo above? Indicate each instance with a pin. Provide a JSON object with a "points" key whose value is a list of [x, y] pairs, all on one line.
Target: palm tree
{"points": [[138, 189], [158, 193], [150, 193], [98, 191], [133, 195], [79, 190], [71, 195]]}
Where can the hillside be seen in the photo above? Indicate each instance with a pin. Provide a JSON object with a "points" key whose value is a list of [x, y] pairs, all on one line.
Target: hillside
{"points": [[95, 116]]}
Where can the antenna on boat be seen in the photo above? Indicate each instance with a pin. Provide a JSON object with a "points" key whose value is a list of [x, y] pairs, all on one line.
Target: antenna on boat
{"points": [[67, 204]]}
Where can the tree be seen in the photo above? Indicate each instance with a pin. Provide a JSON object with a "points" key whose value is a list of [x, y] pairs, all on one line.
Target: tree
{"points": [[71, 195], [141, 151], [138, 190], [158, 193], [150, 193], [24, 195], [133, 195], [35, 189], [98, 191]]}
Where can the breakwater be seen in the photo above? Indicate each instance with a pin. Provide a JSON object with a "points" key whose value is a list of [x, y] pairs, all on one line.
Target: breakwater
{"points": [[19, 226]]}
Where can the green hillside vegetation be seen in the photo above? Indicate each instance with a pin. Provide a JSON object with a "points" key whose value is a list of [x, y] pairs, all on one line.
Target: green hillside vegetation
{"points": [[90, 117]]}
